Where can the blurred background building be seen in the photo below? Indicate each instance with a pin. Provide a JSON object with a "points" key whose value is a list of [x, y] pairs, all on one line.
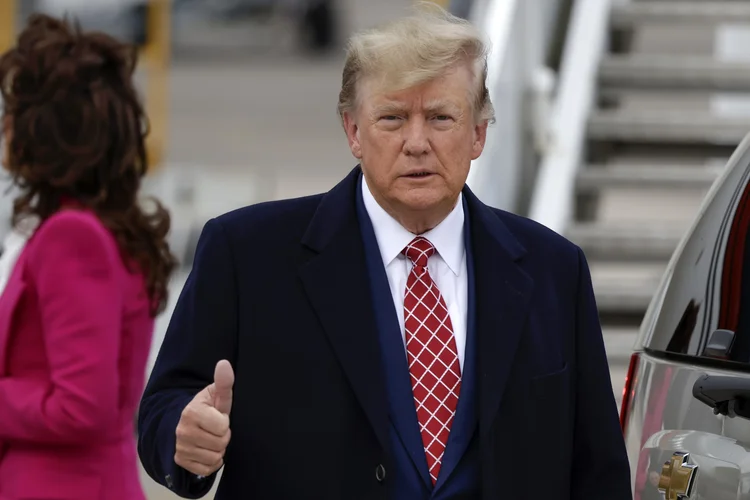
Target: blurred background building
{"points": [[614, 117]]}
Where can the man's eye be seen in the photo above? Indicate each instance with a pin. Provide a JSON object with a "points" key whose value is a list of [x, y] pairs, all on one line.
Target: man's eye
{"points": [[442, 117], [389, 117]]}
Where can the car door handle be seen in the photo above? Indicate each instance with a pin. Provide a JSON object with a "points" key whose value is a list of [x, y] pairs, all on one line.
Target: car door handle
{"points": [[728, 396]]}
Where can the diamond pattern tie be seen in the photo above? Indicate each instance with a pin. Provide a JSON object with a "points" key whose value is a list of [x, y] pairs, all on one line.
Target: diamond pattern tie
{"points": [[432, 355]]}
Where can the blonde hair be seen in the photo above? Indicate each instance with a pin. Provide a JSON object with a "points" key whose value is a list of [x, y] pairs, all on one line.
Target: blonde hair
{"points": [[414, 50]]}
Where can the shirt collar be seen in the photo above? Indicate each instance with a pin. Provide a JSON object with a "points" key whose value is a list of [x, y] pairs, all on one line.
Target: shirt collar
{"points": [[392, 237]]}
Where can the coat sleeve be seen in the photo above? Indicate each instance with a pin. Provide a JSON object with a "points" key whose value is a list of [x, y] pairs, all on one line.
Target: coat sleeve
{"points": [[600, 464], [74, 267], [202, 331]]}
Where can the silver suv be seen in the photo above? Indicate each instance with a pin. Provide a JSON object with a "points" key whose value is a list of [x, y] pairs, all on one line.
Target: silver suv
{"points": [[686, 403]]}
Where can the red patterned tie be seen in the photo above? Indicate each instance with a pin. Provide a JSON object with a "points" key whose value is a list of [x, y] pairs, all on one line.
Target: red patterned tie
{"points": [[432, 355]]}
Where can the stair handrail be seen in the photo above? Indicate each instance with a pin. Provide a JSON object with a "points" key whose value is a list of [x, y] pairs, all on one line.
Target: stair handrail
{"points": [[521, 34], [553, 194], [501, 156]]}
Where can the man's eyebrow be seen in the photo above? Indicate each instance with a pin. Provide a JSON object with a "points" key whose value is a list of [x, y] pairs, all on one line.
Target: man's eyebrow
{"points": [[390, 107], [434, 106], [430, 107]]}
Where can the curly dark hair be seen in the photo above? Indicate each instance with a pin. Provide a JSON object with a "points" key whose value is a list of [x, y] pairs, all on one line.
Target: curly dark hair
{"points": [[76, 131]]}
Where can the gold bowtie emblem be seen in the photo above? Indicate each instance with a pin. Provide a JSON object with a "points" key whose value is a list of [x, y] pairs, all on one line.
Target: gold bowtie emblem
{"points": [[677, 477]]}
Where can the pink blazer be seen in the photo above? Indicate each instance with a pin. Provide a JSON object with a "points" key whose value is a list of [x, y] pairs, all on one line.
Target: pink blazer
{"points": [[75, 334]]}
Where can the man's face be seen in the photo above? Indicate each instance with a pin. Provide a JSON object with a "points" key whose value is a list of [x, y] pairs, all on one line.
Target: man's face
{"points": [[416, 145]]}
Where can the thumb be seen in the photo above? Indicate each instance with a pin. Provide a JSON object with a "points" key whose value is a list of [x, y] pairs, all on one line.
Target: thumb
{"points": [[223, 383]]}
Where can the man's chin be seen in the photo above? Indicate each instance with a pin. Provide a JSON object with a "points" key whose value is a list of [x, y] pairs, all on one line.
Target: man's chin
{"points": [[423, 202]]}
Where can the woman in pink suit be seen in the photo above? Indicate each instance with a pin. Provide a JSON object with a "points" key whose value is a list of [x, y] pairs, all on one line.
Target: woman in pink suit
{"points": [[88, 274]]}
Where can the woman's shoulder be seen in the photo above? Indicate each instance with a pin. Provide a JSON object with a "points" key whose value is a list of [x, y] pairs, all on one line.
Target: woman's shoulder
{"points": [[74, 219], [74, 228]]}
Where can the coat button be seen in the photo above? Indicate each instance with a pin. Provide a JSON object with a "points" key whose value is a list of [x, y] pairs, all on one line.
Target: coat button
{"points": [[380, 473], [168, 480]]}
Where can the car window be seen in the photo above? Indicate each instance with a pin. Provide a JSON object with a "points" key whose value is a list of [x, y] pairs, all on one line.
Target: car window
{"points": [[703, 308]]}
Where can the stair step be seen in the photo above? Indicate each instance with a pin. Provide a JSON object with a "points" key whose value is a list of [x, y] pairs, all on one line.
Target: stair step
{"points": [[597, 177], [622, 298], [619, 344], [629, 14], [669, 72], [628, 292], [675, 127], [611, 242]]}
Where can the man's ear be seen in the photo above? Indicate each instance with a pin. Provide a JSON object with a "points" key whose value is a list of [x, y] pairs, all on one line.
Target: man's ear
{"points": [[480, 136], [352, 134]]}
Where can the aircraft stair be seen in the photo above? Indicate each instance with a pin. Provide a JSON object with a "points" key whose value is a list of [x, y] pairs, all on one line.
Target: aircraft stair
{"points": [[668, 114]]}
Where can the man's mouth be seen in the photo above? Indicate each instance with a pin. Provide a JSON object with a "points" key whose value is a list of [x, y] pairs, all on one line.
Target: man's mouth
{"points": [[419, 174]]}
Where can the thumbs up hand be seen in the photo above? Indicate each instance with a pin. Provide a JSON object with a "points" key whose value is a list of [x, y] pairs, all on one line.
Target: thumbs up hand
{"points": [[221, 389], [203, 430]]}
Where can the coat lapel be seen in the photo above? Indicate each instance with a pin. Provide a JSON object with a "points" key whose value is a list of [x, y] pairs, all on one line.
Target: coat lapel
{"points": [[465, 422], [402, 412], [336, 283], [502, 293]]}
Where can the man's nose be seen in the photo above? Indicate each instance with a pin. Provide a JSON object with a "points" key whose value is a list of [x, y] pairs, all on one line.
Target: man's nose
{"points": [[416, 137]]}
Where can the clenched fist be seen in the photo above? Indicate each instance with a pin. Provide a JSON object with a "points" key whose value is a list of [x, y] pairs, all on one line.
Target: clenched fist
{"points": [[203, 431]]}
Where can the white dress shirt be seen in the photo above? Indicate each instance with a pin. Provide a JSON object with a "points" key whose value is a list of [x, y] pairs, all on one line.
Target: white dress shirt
{"points": [[447, 266], [12, 247]]}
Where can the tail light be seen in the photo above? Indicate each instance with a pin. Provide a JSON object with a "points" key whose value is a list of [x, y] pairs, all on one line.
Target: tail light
{"points": [[627, 392]]}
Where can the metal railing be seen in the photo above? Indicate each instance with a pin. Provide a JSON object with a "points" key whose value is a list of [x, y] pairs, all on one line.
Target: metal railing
{"points": [[521, 34], [553, 194]]}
